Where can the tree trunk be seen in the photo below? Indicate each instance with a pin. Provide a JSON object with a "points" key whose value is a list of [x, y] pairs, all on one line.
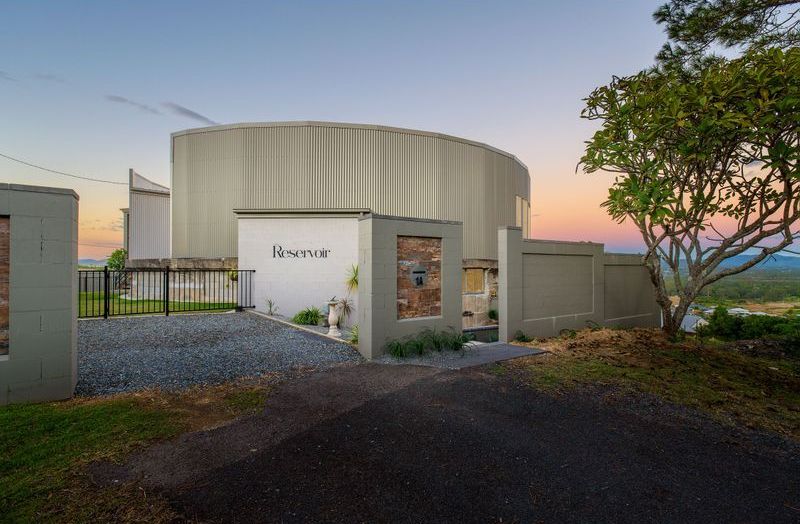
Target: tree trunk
{"points": [[671, 317]]}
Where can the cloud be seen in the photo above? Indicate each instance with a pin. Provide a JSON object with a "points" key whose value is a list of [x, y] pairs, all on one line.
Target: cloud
{"points": [[97, 224], [49, 77], [188, 113], [143, 107], [7, 77]]}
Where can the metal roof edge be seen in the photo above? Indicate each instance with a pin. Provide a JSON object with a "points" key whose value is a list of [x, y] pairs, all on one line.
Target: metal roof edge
{"points": [[347, 125]]}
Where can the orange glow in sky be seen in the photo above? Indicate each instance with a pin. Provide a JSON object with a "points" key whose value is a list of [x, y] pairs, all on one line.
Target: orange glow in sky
{"points": [[97, 91]]}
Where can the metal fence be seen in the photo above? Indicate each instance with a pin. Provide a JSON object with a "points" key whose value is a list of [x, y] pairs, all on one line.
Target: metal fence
{"points": [[110, 292]]}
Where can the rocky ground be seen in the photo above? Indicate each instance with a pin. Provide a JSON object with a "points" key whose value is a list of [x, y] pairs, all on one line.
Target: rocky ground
{"points": [[134, 353]]}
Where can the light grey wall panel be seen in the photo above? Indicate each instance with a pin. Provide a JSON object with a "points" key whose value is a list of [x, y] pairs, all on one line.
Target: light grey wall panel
{"points": [[148, 223], [313, 165], [546, 286], [41, 363]]}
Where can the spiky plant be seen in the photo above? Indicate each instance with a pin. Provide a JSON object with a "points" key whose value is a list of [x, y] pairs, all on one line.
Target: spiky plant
{"points": [[352, 278]]}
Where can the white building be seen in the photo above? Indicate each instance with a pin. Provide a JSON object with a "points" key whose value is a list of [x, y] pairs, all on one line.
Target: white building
{"points": [[146, 219]]}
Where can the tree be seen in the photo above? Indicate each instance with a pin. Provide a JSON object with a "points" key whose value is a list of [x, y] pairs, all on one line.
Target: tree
{"points": [[116, 260], [694, 26], [707, 166]]}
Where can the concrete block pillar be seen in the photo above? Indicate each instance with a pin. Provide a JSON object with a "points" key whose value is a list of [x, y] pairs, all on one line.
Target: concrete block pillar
{"points": [[509, 281]]}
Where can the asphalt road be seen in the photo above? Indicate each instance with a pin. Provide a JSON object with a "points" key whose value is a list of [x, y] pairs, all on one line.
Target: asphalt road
{"points": [[372, 443]]}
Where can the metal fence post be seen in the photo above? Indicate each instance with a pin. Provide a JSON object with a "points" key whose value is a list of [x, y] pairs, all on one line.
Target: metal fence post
{"points": [[105, 291], [166, 291]]}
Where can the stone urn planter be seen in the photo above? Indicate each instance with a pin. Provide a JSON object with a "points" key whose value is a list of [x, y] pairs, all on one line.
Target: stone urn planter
{"points": [[333, 319]]}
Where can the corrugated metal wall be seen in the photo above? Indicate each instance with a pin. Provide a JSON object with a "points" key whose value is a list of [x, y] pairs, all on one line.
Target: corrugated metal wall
{"points": [[325, 165], [148, 225]]}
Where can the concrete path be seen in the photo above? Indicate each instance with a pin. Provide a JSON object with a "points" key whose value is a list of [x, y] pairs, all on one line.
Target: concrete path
{"points": [[475, 354]]}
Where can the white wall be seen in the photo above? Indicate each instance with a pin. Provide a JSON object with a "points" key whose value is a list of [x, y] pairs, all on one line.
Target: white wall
{"points": [[295, 283], [148, 225]]}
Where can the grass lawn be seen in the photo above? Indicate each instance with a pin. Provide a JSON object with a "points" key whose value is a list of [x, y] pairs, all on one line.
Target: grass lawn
{"points": [[43, 449], [91, 305], [757, 391]]}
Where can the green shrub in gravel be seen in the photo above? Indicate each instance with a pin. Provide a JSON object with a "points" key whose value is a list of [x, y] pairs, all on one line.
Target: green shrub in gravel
{"points": [[309, 316], [427, 341]]}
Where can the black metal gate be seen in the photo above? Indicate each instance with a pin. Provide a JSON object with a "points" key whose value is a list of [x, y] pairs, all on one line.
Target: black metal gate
{"points": [[111, 292]]}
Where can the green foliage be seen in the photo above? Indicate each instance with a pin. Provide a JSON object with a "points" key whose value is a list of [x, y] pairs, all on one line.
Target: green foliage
{"points": [[426, 341], [116, 260], [352, 278], [493, 314], [696, 152], [694, 26], [396, 348], [725, 326], [309, 316], [669, 136], [520, 336], [354, 334], [272, 308], [233, 275], [568, 333]]}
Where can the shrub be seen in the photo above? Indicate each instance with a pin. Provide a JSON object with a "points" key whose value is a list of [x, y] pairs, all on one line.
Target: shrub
{"points": [[433, 340], [272, 309], [568, 333], [426, 341], [725, 326], [309, 316], [116, 260], [354, 334], [493, 314], [414, 346], [345, 306], [519, 336], [396, 349]]}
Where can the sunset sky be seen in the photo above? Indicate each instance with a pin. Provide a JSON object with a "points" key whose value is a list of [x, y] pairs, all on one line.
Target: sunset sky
{"points": [[96, 88]]}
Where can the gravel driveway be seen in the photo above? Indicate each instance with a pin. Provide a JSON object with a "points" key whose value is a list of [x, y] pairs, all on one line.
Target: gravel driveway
{"points": [[134, 353]]}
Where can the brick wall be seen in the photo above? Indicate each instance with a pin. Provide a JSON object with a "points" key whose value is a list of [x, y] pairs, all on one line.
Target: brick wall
{"points": [[419, 301]]}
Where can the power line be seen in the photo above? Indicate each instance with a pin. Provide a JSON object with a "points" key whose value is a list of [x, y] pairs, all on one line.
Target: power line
{"points": [[63, 173], [98, 245]]}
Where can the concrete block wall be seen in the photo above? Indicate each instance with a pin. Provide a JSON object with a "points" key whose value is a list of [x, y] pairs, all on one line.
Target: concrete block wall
{"points": [[377, 287], [547, 286], [41, 363], [629, 296]]}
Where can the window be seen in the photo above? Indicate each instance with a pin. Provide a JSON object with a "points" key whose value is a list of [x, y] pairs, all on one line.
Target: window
{"points": [[472, 280]]}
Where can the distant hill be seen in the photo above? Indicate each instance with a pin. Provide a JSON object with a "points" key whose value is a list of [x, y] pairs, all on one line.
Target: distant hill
{"points": [[91, 262], [773, 262]]}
